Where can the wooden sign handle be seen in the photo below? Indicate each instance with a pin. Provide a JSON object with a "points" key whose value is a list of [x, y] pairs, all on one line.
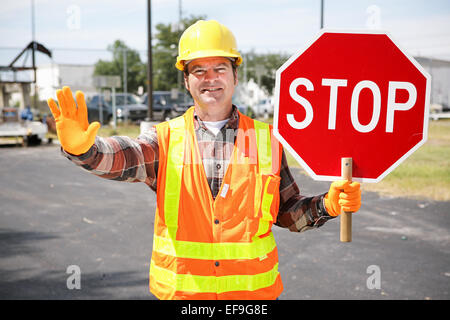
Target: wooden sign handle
{"points": [[346, 217]]}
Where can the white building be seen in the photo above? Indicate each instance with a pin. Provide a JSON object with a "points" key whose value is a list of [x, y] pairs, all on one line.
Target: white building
{"points": [[440, 81], [250, 94], [55, 76]]}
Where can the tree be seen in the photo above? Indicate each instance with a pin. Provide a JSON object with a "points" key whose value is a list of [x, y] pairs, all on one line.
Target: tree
{"points": [[165, 75], [136, 74], [262, 68]]}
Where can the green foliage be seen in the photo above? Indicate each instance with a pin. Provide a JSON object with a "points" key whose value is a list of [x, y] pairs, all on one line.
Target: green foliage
{"points": [[262, 68], [136, 70], [165, 75]]}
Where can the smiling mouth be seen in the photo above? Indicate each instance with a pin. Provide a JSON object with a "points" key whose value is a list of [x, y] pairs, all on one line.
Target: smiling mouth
{"points": [[210, 90]]}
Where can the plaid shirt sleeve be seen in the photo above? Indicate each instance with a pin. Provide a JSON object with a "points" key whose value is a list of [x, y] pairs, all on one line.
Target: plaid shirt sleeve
{"points": [[298, 213], [122, 158]]}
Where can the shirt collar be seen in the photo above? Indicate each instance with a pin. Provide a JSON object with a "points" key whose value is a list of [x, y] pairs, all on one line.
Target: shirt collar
{"points": [[233, 122]]}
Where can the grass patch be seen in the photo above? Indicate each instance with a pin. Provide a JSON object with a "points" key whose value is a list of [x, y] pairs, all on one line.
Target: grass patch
{"points": [[129, 130], [426, 173]]}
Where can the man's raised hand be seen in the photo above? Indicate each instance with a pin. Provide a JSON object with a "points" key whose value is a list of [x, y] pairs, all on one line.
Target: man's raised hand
{"points": [[75, 133]]}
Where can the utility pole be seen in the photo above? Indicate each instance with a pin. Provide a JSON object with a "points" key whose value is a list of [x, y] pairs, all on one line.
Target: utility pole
{"points": [[180, 10], [125, 71], [321, 13], [149, 62], [125, 86], [179, 79], [245, 68], [33, 51]]}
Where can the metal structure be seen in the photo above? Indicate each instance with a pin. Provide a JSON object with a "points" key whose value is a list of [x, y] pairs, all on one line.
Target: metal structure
{"points": [[10, 74]]}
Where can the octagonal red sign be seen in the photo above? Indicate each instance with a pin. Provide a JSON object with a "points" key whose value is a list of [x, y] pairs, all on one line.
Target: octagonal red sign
{"points": [[351, 94]]}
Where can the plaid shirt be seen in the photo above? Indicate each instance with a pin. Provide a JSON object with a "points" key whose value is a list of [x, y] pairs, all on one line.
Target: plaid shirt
{"points": [[136, 160]]}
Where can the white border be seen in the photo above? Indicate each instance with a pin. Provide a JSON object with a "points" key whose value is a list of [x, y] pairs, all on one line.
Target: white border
{"points": [[292, 151]]}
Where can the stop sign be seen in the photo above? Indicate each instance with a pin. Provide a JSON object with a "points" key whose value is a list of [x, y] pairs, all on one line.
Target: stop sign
{"points": [[351, 94]]}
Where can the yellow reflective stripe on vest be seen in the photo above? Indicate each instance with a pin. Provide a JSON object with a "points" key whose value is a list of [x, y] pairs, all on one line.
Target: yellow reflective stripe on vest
{"points": [[264, 222], [173, 174], [214, 251], [264, 145], [194, 283]]}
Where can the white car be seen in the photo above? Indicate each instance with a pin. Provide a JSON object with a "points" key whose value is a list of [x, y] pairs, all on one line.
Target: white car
{"points": [[264, 108]]}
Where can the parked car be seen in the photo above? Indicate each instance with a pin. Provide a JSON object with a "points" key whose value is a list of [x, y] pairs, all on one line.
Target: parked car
{"points": [[183, 102], [163, 106], [129, 107], [445, 107], [94, 105]]}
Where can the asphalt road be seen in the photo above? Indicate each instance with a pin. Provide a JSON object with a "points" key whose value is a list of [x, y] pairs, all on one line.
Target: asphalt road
{"points": [[54, 215]]}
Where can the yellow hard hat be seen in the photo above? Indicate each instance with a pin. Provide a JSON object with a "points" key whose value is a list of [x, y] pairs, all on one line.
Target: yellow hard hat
{"points": [[206, 39]]}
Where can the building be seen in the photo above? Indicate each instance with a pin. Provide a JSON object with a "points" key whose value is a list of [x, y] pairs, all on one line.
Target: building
{"points": [[440, 82], [55, 76], [250, 94]]}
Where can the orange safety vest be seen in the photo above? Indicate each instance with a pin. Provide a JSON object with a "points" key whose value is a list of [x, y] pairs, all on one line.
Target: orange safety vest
{"points": [[222, 248]]}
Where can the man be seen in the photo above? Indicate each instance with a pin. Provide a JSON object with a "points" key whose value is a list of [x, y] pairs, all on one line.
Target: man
{"points": [[221, 180]]}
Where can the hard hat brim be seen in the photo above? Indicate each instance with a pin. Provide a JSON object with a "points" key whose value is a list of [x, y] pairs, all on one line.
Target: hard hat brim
{"points": [[205, 54]]}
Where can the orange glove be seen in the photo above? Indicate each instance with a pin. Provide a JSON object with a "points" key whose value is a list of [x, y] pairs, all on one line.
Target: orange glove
{"points": [[343, 195], [74, 131]]}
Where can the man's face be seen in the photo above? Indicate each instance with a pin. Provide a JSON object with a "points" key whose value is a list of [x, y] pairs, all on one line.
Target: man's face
{"points": [[211, 82]]}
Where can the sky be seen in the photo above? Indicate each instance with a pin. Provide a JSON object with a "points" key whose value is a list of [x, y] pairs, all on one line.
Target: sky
{"points": [[79, 31]]}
